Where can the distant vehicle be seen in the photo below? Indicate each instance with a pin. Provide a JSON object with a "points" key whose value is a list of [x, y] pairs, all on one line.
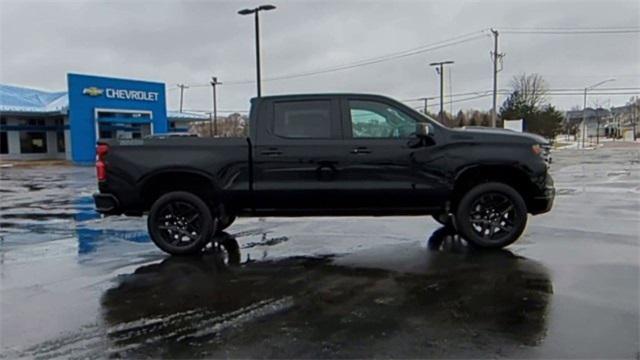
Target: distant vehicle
{"points": [[171, 134], [332, 154]]}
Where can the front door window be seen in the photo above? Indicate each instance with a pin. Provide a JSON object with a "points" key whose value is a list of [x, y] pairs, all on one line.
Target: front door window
{"points": [[376, 120]]}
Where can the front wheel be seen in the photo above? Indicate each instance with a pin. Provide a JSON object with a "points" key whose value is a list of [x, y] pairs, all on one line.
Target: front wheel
{"points": [[443, 219], [180, 223], [491, 215]]}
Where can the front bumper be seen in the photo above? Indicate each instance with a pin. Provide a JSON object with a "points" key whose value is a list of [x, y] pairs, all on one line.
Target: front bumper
{"points": [[106, 203], [543, 201]]}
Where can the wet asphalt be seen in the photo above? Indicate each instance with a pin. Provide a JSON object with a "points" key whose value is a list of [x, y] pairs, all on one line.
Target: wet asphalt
{"points": [[74, 285]]}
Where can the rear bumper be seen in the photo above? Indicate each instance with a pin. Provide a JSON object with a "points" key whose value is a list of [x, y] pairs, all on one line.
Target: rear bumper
{"points": [[106, 203]]}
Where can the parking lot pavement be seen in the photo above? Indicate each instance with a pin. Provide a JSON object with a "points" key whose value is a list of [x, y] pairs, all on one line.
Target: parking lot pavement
{"points": [[76, 285]]}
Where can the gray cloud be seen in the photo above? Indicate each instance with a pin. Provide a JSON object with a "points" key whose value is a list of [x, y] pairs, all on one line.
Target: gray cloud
{"points": [[188, 41]]}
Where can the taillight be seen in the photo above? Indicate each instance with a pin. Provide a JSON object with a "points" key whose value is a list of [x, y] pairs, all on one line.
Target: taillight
{"points": [[101, 167]]}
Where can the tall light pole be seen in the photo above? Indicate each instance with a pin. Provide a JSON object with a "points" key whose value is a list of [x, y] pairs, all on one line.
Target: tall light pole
{"points": [[182, 87], [256, 11], [584, 107], [440, 70], [214, 82]]}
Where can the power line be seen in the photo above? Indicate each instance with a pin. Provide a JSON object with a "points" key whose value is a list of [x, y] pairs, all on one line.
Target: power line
{"points": [[456, 101], [208, 111], [551, 91], [460, 39], [506, 92], [571, 32], [570, 28]]}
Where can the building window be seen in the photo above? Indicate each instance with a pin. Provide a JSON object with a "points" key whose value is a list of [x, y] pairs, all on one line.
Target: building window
{"points": [[33, 142], [60, 141], [4, 146], [31, 122]]}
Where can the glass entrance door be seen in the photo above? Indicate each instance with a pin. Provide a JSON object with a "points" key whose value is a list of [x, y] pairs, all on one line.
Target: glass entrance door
{"points": [[123, 124]]}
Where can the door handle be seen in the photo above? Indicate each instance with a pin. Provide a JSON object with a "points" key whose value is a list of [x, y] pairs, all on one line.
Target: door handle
{"points": [[271, 152], [360, 150]]}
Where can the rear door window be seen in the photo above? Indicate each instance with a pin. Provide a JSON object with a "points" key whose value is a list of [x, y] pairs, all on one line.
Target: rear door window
{"points": [[303, 119]]}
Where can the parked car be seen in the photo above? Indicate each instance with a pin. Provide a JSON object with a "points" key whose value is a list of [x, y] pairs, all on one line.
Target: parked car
{"points": [[171, 134], [328, 154]]}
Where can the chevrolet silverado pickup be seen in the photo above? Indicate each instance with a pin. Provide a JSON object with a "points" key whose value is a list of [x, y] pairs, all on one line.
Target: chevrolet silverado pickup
{"points": [[328, 154]]}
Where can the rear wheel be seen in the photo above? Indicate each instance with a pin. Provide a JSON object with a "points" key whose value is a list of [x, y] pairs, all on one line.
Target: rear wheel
{"points": [[491, 215], [180, 223]]}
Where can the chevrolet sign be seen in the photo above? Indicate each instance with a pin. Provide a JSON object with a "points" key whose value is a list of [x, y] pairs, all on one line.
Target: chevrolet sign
{"points": [[122, 94], [139, 95], [92, 91]]}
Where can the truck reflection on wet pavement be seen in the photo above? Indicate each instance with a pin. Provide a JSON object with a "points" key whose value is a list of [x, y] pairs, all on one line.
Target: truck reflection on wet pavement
{"points": [[316, 307]]}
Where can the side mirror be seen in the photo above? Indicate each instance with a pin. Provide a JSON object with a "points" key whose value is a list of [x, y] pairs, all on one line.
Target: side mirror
{"points": [[422, 129]]}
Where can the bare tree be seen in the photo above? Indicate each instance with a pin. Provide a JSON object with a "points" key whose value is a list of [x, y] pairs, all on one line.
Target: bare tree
{"points": [[532, 89]]}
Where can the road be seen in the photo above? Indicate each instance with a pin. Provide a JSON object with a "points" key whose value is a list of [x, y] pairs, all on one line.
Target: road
{"points": [[75, 285]]}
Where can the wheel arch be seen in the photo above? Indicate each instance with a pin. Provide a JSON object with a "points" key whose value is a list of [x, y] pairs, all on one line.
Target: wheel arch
{"points": [[160, 182], [513, 176]]}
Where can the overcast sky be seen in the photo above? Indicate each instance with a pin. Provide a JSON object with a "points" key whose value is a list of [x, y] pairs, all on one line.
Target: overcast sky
{"points": [[189, 41]]}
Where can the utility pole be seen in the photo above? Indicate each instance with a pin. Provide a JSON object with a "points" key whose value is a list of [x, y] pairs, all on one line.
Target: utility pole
{"points": [[182, 87], [214, 82], [635, 117], [496, 57], [426, 106], [440, 70], [584, 107], [584, 116]]}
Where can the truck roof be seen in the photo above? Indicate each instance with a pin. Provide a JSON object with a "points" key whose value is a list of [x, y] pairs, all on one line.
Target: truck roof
{"points": [[329, 94]]}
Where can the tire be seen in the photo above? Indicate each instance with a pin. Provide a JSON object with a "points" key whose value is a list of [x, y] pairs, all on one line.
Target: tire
{"points": [[180, 223], [227, 248], [225, 221], [491, 215], [443, 219]]}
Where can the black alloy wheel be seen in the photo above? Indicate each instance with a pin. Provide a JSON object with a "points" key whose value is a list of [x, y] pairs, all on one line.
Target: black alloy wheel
{"points": [[180, 223], [491, 215]]}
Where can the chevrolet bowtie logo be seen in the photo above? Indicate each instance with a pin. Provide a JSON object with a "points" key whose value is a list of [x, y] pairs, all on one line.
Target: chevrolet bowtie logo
{"points": [[92, 91]]}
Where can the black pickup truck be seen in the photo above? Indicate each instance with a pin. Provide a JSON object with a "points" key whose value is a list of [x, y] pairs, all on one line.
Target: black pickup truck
{"points": [[328, 154]]}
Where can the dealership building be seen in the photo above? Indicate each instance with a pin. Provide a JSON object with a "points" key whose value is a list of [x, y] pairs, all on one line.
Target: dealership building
{"points": [[38, 125]]}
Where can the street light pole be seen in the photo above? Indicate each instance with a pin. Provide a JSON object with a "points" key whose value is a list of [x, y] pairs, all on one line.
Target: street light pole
{"points": [[214, 82], [584, 107], [440, 70], [258, 64], [255, 12]]}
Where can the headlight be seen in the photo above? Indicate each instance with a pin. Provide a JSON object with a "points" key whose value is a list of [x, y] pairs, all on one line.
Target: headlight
{"points": [[537, 149], [544, 151]]}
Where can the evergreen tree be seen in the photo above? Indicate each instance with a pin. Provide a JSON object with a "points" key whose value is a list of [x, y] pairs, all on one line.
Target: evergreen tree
{"points": [[461, 119]]}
